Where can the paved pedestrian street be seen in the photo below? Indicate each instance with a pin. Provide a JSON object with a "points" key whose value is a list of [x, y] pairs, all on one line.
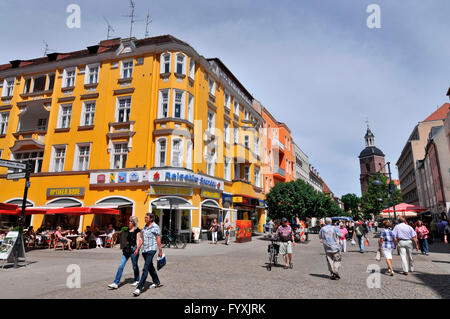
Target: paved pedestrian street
{"points": [[236, 271]]}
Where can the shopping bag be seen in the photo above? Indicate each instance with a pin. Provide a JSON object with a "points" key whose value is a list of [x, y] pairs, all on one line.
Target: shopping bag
{"points": [[353, 242], [366, 242], [161, 261], [378, 257]]}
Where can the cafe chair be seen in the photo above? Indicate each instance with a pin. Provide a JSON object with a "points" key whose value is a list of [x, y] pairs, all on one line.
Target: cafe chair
{"points": [[49, 240], [59, 243]]}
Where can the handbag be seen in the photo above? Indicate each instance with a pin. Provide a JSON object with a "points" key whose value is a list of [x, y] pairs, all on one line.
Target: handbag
{"points": [[161, 261], [353, 242], [378, 257]]}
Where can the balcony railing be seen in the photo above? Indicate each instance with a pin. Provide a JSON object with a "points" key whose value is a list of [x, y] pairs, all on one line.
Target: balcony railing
{"points": [[276, 142], [280, 171]]}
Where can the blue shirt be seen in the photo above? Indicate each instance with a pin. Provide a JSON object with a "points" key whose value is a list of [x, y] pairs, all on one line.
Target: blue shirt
{"points": [[330, 238], [149, 234], [388, 238], [404, 231]]}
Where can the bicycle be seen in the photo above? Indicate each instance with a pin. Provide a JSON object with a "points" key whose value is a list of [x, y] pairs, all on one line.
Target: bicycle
{"points": [[175, 240], [273, 249]]}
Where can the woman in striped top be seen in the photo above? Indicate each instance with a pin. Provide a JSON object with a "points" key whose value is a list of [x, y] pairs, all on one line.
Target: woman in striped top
{"points": [[386, 244]]}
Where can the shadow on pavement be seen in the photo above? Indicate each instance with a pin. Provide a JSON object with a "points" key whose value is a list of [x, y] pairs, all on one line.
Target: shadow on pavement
{"points": [[441, 261], [20, 264], [320, 276], [439, 283]]}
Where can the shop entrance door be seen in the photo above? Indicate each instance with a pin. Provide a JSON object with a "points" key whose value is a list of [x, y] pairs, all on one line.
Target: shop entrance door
{"points": [[169, 222]]}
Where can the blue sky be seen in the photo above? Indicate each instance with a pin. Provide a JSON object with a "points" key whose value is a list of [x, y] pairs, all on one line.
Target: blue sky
{"points": [[314, 64]]}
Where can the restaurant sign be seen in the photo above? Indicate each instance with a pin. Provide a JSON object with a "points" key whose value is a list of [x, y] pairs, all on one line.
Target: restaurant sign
{"points": [[210, 194], [67, 191], [171, 190]]}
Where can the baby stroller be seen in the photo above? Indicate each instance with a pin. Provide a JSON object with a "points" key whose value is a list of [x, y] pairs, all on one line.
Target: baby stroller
{"points": [[273, 249]]}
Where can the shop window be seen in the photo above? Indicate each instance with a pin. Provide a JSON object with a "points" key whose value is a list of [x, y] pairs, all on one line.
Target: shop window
{"points": [[185, 224]]}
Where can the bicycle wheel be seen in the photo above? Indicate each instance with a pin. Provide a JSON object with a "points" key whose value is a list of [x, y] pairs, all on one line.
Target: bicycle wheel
{"points": [[180, 243], [165, 242]]}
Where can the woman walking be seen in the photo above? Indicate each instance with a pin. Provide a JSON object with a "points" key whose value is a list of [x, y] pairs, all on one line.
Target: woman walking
{"points": [[422, 236], [127, 252], [386, 244], [343, 240], [213, 229]]}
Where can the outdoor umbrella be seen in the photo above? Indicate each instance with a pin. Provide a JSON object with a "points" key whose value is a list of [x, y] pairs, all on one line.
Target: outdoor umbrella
{"points": [[78, 211], [4, 206], [18, 211], [403, 209]]}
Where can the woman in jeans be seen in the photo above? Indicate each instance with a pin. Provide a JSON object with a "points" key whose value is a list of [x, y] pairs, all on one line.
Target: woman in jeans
{"points": [[127, 252], [213, 229], [422, 236]]}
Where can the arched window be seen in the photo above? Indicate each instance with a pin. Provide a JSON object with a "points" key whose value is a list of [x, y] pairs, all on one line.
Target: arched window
{"points": [[180, 60], [165, 62]]}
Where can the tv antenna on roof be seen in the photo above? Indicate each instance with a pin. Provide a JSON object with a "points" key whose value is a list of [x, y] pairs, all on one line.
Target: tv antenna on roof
{"points": [[147, 23], [110, 28], [47, 50], [131, 16]]}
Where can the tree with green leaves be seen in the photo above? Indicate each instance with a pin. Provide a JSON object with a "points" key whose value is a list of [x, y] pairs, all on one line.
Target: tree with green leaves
{"points": [[378, 198], [298, 198], [351, 204]]}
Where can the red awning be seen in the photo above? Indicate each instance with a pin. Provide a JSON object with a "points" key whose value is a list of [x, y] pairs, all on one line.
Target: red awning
{"points": [[18, 211], [83, 211], [4, 206], [404, 207]]}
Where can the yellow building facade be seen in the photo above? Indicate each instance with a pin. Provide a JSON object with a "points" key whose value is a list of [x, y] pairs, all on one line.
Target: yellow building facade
{"points": [[136, 125]]}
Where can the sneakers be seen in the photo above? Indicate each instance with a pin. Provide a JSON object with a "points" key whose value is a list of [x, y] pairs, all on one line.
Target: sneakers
{"points": [[113, 286], [137, 292], [135, 283], [390, 273], [155, 285], [412, 269]]}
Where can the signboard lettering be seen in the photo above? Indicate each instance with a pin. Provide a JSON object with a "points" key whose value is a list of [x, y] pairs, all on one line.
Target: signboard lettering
{"points": [[62, 192], [12, 164], [210, 194], [171, 190]]}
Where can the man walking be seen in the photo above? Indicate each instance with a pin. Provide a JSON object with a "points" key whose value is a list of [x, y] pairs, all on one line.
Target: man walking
{"points": [[150, 239], [330, 236], [286, 236], [404, 238], [361, 233]]}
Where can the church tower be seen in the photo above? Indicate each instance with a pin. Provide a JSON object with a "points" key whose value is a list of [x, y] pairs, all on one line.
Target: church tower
{"points": [[371, 161]]}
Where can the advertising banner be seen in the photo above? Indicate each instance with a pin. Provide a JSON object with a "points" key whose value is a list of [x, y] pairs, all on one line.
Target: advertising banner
{"points": [[6, 248], [243, 231]]}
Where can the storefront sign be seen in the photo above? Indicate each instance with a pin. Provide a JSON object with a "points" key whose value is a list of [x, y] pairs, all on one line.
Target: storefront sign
{"points": [[237, 199], [68, 191], [184, 177], [210, 194], [227, 198], [118, 177], [171, 190]]}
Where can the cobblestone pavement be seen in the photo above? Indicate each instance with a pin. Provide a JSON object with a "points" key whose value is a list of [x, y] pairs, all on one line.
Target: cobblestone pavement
{"points": [[236, 271]]}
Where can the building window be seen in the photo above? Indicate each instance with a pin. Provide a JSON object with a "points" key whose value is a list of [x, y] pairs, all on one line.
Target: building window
{"points": [[227, 100], [246, 141], [237, 171], [257, 177], [59, 158], [211, 122], [247, 115], [191, 108], [227, 169], [35, 158], [92, 73], [42, 124], [87, 116], [3, 122], [256, 140], [160, 157], [39, 83], [120, 155], [127, 69], [189, 155], [247, 173], [192, 69], [236, 108], [177, 153], [226, 134], [165, 62], [50, 82], [123, 110], [178, 104], [181, 63], [68, 78], [212, 87], [163, 109], [82, 157], [27, 86], [8, 87], [236, 136], [65, 113]]}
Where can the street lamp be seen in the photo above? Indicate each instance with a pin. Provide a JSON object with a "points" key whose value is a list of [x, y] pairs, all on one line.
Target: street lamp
{"points": [[391, 190]]}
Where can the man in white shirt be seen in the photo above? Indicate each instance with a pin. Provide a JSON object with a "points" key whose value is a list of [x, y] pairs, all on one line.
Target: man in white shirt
{"points": [[404, 236]]}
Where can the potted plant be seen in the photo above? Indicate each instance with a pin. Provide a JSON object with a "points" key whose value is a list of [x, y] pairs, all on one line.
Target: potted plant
{"points": [[123, 237]]}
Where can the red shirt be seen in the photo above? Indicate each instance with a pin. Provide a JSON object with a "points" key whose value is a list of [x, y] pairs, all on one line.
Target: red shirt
{"points": [[422, 232]]}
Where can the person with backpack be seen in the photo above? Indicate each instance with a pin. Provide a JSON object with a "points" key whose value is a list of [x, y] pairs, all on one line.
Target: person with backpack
{"points": [[361, 235]]}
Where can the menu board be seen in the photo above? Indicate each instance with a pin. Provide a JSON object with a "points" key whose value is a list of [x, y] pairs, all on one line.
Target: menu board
{"points": [[6, 247]]}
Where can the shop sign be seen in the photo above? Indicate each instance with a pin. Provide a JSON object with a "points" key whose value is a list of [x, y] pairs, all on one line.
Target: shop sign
{"points": [[171, 190], [227, 198], [237, 199], [67, 191], [210, 194], [118, 177], [184, 177], [122, 177]]}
